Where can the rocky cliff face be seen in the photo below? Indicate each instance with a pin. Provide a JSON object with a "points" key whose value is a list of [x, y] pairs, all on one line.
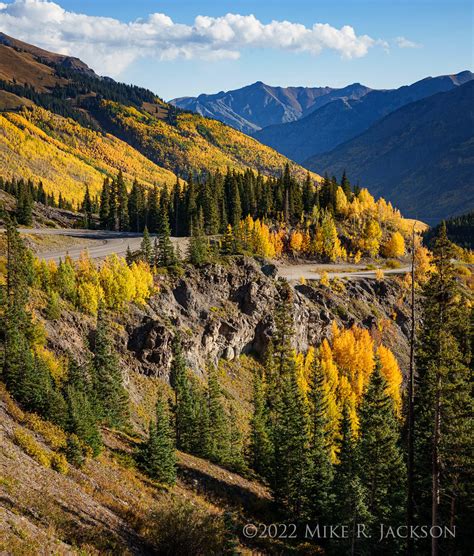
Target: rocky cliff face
{"points": [[225, 311]]}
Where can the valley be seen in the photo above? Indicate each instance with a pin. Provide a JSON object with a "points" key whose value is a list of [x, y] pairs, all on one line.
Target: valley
{"points": [[226, 312]]}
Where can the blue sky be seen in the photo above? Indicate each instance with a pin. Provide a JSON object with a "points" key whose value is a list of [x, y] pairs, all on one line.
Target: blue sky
{"points": [[394, 42]]}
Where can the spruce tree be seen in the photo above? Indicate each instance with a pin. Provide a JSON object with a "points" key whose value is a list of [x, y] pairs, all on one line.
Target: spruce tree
{"points": [[17, 325], [198, 250], [87, 208], [166, 254], [260, 437], [146, 248], [157, 456], [235, 208], [122, 203], [24, 205], [380, 464], [236, 459], [348, 493], [111, 396], [288, 415], [82, 414], [218, 441], [112, 221], [153, 210], [134, 208], [320, 468], [185, 403], [291, 448], [443, 406], [104, 205]]}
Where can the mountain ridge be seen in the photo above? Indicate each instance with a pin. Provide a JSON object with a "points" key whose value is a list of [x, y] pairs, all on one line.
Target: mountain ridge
{"points": [[259, 105], [429, 143], [131, 121], [341, 120]]}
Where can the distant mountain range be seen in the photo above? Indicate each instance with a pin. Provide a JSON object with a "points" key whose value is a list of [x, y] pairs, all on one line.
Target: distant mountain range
{"points": [[342, 119], [256, 106], [412, 145], [420, 156]]}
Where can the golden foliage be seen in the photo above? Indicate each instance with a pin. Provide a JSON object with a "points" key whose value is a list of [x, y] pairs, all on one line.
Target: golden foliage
{"points": [[199, 143], [393, 375], [395, 246], [37, 144], [85, 283]]}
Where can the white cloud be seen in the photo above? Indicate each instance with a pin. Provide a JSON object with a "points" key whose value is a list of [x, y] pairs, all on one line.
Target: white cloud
{"points": [[403, 42], [110, 45]]}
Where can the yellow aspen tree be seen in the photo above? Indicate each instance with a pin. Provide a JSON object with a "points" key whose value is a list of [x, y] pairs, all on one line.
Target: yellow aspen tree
{"points": [[392, 374], [296, 241], [371, 238], [341, 202], [394, 246]]}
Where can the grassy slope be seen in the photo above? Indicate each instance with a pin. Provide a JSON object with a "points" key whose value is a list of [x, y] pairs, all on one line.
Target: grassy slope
{"points": [[107, 506], [66, 156]]}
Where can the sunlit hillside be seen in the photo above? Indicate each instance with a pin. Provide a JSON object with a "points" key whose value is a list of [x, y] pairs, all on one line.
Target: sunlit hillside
{"points": [[37, 144], [193, 142], [63, 124]]}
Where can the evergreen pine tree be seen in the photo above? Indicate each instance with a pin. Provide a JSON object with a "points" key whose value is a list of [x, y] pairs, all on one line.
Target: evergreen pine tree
{"points": [[320, 468], [112, 221], [198, 250], [166, 254], [260, 438], [443, 406], [104, 205], [24, 205], [380, 464], [235, 207], [185, 403], [122, 203], [17, 325], [153, 210], [146, 248], [87, 209], [82, 414], [157, 456], [218, 446], [349, 495], [291, 444], [111, 396]]}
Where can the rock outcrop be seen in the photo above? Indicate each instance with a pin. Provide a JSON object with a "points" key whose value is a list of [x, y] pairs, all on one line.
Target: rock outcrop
{"points": [[226, 311]]}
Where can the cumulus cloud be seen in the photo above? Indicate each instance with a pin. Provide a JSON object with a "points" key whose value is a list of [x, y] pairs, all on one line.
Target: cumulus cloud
{"points": [[110, 45], [403, 42]]}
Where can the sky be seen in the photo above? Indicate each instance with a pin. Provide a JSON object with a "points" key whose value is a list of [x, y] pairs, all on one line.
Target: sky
{"points": [[187, 47]]}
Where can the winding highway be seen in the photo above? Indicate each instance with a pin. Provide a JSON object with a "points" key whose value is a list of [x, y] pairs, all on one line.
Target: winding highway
{"points": [[100, 243]]}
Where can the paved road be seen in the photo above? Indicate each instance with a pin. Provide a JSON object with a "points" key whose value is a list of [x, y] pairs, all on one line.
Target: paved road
{"points": [[105, 243], [312, 271], [118, 242]]}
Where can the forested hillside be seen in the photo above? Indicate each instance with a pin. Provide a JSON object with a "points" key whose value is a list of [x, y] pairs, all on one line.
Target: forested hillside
{"points": [[81, 127]]}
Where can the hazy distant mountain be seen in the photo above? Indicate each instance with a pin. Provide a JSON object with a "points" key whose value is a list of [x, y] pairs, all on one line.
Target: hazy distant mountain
{"points": [[342, 119], [259, 105], [420, 157]]}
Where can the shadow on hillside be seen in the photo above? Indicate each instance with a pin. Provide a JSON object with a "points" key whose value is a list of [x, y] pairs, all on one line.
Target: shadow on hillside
{"points": [[233, 496]]}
